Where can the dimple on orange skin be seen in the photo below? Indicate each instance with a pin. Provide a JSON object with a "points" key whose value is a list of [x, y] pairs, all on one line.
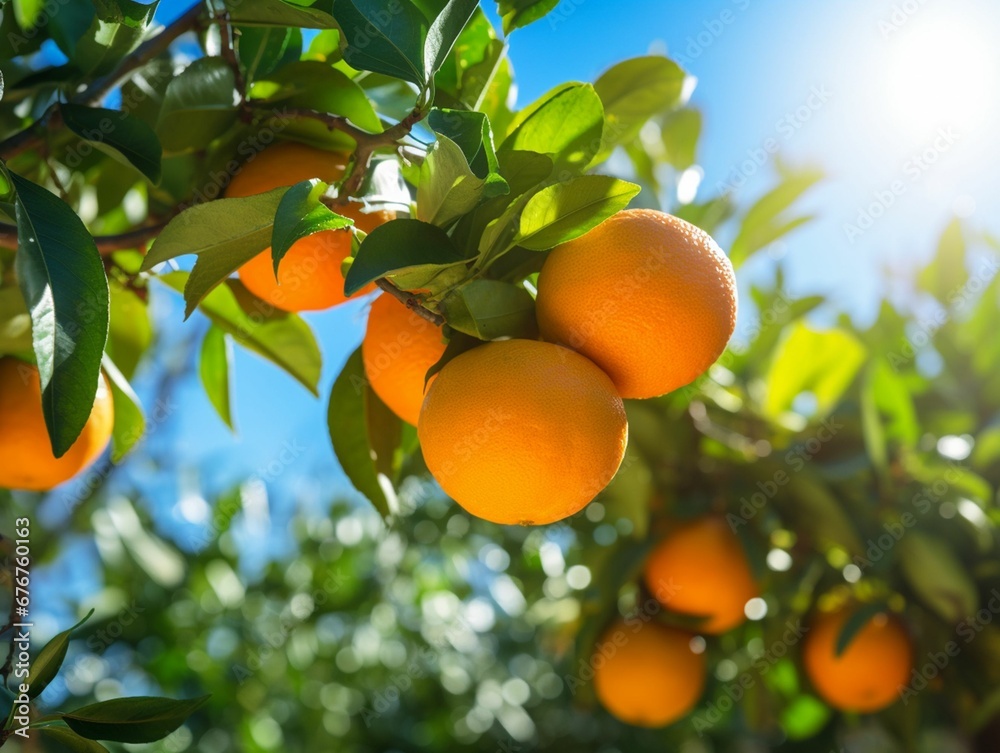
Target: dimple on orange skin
{"points": [[522, 432], [700, 569], [309, 276], [26, 459], [398, 350], [648, 297], [868, 675], [646, 674]]}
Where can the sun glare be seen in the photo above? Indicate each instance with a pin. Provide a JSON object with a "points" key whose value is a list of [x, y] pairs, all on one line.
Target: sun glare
{"points": [[941, 75]]}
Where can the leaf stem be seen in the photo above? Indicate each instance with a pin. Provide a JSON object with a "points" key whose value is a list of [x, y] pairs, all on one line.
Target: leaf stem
{"points": [[411, 302]]}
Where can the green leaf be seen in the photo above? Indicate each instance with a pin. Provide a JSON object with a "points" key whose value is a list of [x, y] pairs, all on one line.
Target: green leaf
{"points": [[471, 132], [947, 271], [282, 338], [814, 509], [384, 38], [215, 368], [444, 31], [938, 576], [635, 90], [301, 214], [71, 741], [62, 279], [565, 211], [855, 623], [448, 188], [132, 720], [400, 246], [114, 31], [225, 233], [278, 13], [764, 222], [519, 13], [474, 63], [198, 106], [317, 86], [26, 12], [130, 332], [349, 422], [567, 124], [804, 717], [46, 665], [489, 309], [821, 362], [122, 135], [262, 49], [680, 132], [130, 422], [628, 495]]}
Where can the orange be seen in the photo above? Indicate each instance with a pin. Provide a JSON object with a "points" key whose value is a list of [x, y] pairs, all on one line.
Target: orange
{"points": [[646, 674], [700, 569], [868, 675], [26, 459], [398, 349], [648, 297], [309, 277], [522, 431]]}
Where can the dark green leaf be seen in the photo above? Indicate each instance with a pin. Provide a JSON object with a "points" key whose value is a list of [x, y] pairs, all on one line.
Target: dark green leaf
{"points": [[132, 720], [262, 49], [122, 134], [472, 133], [284, 339], [384, 38], [519, 13], [114, 31], [443, 32], [489, 309], [301, 214], [855, 623], [46, 665], [565, 211], [71, 741], [130, 423], [215, 369], [567, 124], [198, 105], [278, 13], [348, 420], [62, 280], [397, 246]]}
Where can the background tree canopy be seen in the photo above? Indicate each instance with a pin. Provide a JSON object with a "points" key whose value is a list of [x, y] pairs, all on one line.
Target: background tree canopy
{"points": [[324, 593]]}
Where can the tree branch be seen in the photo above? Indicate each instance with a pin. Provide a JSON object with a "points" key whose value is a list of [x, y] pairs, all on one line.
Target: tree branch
{"points": [[411, 302], [106, 244], [34, 134]]}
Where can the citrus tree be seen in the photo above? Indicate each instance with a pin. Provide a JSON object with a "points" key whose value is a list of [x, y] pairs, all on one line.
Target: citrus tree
{"points": [[713, 529]]}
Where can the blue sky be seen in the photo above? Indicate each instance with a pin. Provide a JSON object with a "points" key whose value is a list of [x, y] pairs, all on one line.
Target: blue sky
{"points": [[861, 88]]}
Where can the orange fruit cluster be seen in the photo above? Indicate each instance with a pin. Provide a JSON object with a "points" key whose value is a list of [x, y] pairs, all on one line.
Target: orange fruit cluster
{"points": [[309, 277], [26, 457]]}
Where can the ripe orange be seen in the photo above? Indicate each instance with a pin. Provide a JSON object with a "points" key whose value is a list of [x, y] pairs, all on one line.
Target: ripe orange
{"points": [[26, 459], [868, 675], [522, 431], [309, 278], [648, 297], [700, 569], [398, 349], [646, 674]]}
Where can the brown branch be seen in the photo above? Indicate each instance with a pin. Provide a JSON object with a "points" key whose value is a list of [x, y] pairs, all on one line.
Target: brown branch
{"points": [[227, 35], [411, 302], [106, 244]]}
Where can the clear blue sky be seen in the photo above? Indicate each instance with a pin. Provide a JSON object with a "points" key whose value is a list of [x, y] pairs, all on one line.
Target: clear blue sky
{"points": [[888, 84]]}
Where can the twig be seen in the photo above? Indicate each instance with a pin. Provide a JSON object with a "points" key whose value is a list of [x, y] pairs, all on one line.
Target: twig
{"points": [[8, 664], [227, 34], [106, 244], [410, 301]]}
